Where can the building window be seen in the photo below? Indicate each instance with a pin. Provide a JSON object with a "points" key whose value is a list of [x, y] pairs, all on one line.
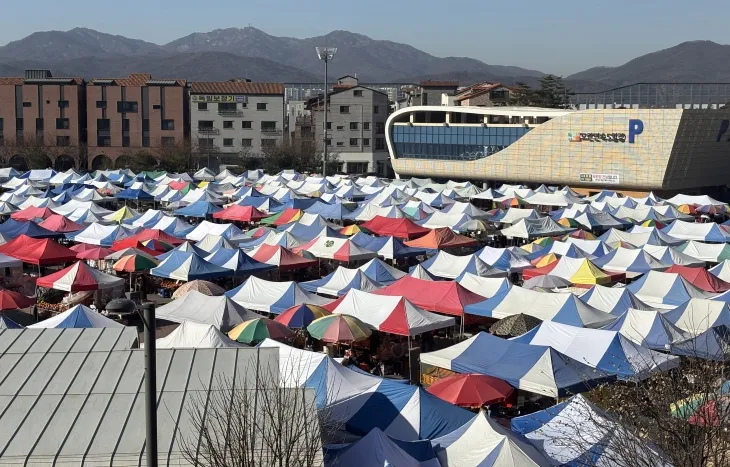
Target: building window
{"points": [[357, 93], [62, 104], [226, 107], [379, 143], [498, 95], [268, 127], [205, 143], [103, 141], [353, 125], [202, 106], [340, 143], [261, 106], [125, 141], [19, 124], [366, 126], [2, 127], [379, 128], [101, 104], [146, 124], [205, 124], [340, 127], [366, 141], [344, 109], [156, 106], [62, 124], [357, 167], [329, 125], [127, 106], [376, 109], [103, 124], [328, 142], [63, 141], [27, 104], [168, 124], [246, 142], [268, 143], [354, 142], [424, 98], [39, 124], [246, 125], [228, 142], [227, 124], [125, 124], [167, 141]]}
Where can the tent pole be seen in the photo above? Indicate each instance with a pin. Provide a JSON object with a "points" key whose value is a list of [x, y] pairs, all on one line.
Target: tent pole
{"points": [[410, 368]]}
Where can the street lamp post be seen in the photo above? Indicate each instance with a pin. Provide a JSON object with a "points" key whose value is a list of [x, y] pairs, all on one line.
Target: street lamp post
{"points": [[326, 54]]}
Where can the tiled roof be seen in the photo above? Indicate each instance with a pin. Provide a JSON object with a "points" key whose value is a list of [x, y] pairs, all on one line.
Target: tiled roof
{"points": [[344, 86], [135, 80], [439, 84], [477, 91], [11, 81], [235, 87]]}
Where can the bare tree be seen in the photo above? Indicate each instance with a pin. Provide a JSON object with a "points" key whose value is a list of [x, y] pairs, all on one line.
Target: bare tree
{"points": [[296, 156], [180, 156]]}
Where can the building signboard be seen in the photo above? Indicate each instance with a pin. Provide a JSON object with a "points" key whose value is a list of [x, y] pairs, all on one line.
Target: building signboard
{"points": [[603, 179], [217, 98]]}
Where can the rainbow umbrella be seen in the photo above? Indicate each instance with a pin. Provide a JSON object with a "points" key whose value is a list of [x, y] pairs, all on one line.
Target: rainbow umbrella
{"points": [[532, 247], [582, 234], [543, 241], [652, 223], [351, 230], [258, 232], [256, 330], [686, 209], [543, 261], [568, 222], [133, 263], [157, 245], [339, 328], [299, 316], [514, 202]]}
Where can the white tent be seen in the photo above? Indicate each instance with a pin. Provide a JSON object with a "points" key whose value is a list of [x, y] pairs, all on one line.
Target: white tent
{"points": [[639, 239], [378, 449], [614, 300], [705, 232], [272, 297], [648, 329], [513, 215], [558, 199], [503, 259], [439, 219], [190, 335], [710, 252], [632, 262], [205, 228], [533, 228], [595, 248], [670, 255], [74, 205], [722, 270], [340, 281], [698, 315], [450, 266], [487, 287], [700, 200], [665, 290], [79, 316], [221, 312]]}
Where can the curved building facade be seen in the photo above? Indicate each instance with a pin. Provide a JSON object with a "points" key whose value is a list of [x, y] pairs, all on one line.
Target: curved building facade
{"points": [[646, 149]]}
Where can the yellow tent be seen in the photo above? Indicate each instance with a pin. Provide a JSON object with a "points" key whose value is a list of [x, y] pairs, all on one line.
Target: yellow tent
{"points": [[545, 260]]}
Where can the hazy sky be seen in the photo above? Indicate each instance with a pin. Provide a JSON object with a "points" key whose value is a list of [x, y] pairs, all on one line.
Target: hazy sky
{"points": [[558, 36]]}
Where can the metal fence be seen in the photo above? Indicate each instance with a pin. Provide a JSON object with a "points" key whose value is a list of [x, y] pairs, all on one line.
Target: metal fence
{"points": [[656, 96]]}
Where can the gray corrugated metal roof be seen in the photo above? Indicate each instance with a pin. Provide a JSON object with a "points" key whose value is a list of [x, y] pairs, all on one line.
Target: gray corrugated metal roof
{"points": [[162, 82], [70, 398]]}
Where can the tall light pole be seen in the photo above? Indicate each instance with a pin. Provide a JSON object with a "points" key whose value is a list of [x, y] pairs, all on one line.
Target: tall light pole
{"points": [[326, 54]]}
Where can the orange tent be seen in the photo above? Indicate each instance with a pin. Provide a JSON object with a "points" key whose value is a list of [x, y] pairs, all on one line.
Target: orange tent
{"points": [[439, 239]]}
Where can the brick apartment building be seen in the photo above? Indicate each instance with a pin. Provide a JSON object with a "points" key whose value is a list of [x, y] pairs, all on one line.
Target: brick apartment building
{"points": [[126, 114], [42, 117]]}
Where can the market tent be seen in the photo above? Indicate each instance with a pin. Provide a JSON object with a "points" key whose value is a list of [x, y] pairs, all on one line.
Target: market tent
{"points": [[670, 255], [148, 218], [10, 262], [220, 312], [381, 272], [447, 297], [558, 199], [614, 300], [229, 231], [442, 238], [362, 402], [639, 239], [450, 266], [340, 281], [485, 443], [146, 234], [237, 261], [14, 228], [534, 368], [664, 290], [390, 247], [377, 448], [79, 277], [712, 344], [390, 314], [700, 200], [187, 266], [601, 221], [596, 248], [514, 215], [503, 259], [697, 315], [310, 232], [200, 208], [710, 252], [204, 174], [533, 228], [465, 208], [486, 287], [281, 257], [235, 212], [576, 270], [272, 297], [139, 194], [633, 262], [341, 249], [439, 220], [607, 350], [98, 234], [81, 206], [560, 249], [705, 232], [722, 271], [563, 308], [36, 251], [60, 224], [78, 317], [121, 215], [648, 329], [401, 228], [701, 278], [575, 433], [31, 213]]}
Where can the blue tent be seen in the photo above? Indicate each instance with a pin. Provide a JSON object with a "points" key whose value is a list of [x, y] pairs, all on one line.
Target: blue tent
{"points": [[362, 240], [66, 187], [135, 193], [380, 272], [7, 323], [237, 261], [378, 449], [259, 202], [330, 211], [533, 368], [612, 300], [448, 266], [340, 281], [296, 203], [13, 228], [393, 248], [188, 266], [78, 317], [198, 209], [310, 232]]}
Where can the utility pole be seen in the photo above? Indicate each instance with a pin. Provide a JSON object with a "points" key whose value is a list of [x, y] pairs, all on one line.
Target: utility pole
{"points": [[150, 378], [326, 54]]}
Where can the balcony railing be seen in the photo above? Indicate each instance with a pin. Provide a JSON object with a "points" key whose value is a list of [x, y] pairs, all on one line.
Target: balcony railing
{"points": [[230, 113], [209, 131], [271, 131]]}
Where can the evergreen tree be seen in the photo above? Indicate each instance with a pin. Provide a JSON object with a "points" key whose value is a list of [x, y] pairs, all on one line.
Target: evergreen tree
{"points": [[552, 93], [521, 95]]}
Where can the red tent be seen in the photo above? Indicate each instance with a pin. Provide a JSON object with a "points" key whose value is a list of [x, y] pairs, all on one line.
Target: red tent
{"points": [[701, 278], [36, 251], [10, 300], [181, 185], [31, 213], [61, 224], [439, 239], [447, 297], [401, 228], [279, 256], [147, 234], [235, 212], [78, 277], [123, 244], [543, 271]]}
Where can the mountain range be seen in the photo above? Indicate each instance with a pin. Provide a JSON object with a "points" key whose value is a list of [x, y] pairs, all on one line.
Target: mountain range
{"points": [[251, 53]]}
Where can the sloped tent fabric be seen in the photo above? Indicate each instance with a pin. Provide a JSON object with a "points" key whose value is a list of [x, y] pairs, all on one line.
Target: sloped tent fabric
{"points": [[14, 228], [60, 224], [608, 350], [98, 234], [79, 277], [447, 297], [389, 247], [633, 262], [272, 297], [576, 432], [670, 255], [377, 448], [701, 278], [190, 335], [364, 402], [381, 272], [532, 368], [188, 266], [614, 300], [450, 266], [391, 314], [709, 252], [664, 290], [486, 287], [648, 329], [35, 251], [534, 228], [503, 259], [713, 344], [721, 270], [284, 259], [484, 443], [240, 213], [706, 232], [220, 311], [698, 315], [563, 308], [340, 281], [402, 228], [341, 249], [79, 316], [639, 239], [238, 262], [576, 270], [442, 238]]}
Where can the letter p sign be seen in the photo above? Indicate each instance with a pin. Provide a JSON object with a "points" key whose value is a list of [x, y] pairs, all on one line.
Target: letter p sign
{"points": [[636, 127]]}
